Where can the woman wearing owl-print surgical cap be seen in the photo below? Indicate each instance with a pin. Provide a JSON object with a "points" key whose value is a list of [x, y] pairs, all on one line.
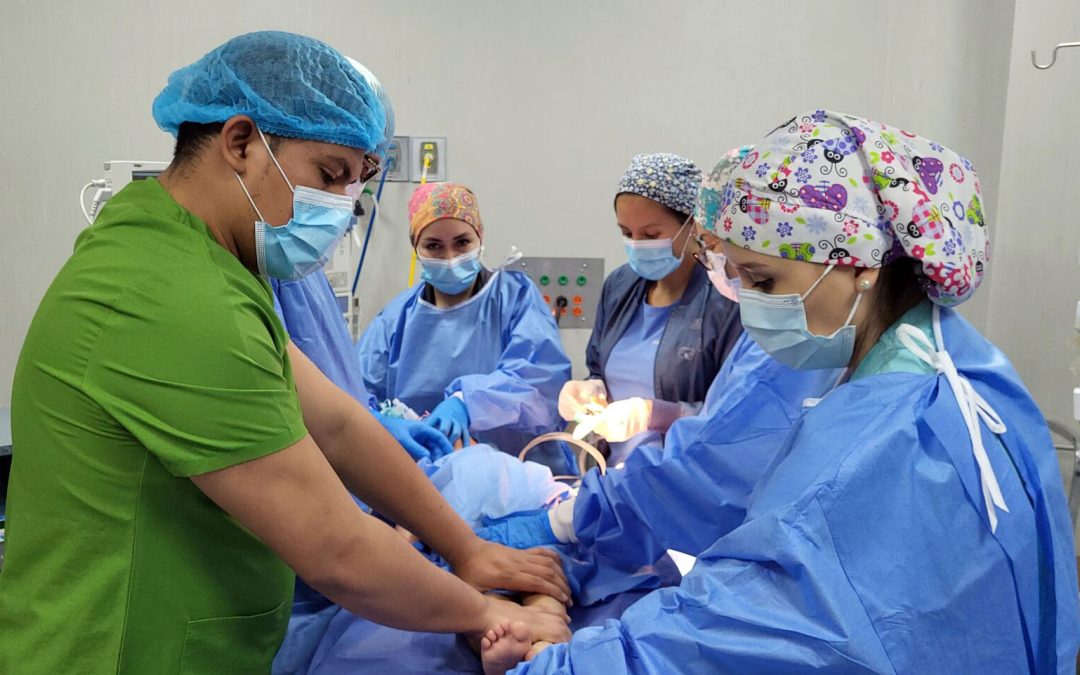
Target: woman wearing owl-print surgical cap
{"points": [[914, 521], [662, 330]]}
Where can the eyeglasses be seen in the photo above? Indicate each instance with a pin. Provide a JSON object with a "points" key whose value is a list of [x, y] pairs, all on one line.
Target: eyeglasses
{"points": [[370, 169]]}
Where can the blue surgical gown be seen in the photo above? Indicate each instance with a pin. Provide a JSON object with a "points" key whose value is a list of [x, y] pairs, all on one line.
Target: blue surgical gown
{"points": [[500, 349], [309, 311], [478, 482], [866, 546], [473, 481], [747, 415], [687, 493]]}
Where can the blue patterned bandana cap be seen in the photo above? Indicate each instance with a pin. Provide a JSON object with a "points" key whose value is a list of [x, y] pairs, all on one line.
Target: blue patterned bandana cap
{"points": [[664, 178]]}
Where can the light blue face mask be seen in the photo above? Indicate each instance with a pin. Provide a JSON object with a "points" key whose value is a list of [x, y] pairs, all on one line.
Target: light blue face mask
{"points": [[778, 324], [304, 244], [452, 276], [652, 259]]}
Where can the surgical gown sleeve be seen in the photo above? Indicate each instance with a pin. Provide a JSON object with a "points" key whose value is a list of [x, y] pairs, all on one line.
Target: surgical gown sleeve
{"points": [[770, 596], [310, 313], [695, 488], [866, 549], [782, 606], [522, 392], [373, 352]]}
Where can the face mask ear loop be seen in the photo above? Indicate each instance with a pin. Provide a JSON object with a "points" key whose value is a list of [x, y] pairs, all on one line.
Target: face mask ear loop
{"points": [[280, 170], [252, 201], [682, 253], [828, 268], [854, 307]]}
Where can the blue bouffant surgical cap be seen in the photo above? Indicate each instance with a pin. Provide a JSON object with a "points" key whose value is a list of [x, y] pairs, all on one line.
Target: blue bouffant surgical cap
{"points": [[290, 85], [388, 108]]}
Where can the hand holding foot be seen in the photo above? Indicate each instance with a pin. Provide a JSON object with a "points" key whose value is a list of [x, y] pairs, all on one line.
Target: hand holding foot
{"points": [[504, 646], [543, 625], [546, 604]]}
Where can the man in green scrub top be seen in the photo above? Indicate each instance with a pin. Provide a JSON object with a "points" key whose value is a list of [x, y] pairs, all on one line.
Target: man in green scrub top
{"points": [[177, 459]]}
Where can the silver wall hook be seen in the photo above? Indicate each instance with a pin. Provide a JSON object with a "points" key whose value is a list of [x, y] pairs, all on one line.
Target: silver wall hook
{"points": [[1053, 57]]}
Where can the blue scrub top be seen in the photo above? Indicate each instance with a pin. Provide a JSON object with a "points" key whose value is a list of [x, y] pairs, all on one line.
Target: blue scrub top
{"points": [[630, 367], [702, 326]]}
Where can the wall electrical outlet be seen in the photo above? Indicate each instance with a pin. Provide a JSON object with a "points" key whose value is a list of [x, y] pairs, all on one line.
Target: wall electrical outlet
{"points": [[422, 148], [397, 160]]}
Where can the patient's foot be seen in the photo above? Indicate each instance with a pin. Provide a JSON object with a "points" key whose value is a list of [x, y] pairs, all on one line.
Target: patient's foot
{"points": [[504, 646]]}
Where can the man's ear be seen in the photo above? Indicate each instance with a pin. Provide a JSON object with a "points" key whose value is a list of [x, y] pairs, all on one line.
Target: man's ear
{"points": [[235, 141]]}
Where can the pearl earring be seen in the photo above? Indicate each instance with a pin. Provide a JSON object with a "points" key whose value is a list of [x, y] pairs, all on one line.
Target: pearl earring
{"points": [[864, 285]]}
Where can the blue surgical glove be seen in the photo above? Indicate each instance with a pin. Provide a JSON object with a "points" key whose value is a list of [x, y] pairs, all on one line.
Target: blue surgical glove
{"points": [[418, 439], [452, 419], [527, 529]]}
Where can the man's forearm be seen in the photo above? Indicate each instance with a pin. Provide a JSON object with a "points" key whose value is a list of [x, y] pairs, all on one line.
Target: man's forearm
{"points": [[397, 587], [377, 470]]}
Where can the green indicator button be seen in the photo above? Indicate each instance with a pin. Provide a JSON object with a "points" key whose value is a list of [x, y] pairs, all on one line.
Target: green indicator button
{"points": [[563, 280], [545, 280], [582, 280]]}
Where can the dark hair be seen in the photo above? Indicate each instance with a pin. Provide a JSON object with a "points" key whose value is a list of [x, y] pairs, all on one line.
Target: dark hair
{"points": [[192, 137], [900, 286]]}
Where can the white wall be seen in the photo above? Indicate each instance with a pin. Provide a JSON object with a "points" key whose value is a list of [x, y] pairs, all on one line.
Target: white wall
{"points": [[1037, 243], [543, 103], [1037, 279]]}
